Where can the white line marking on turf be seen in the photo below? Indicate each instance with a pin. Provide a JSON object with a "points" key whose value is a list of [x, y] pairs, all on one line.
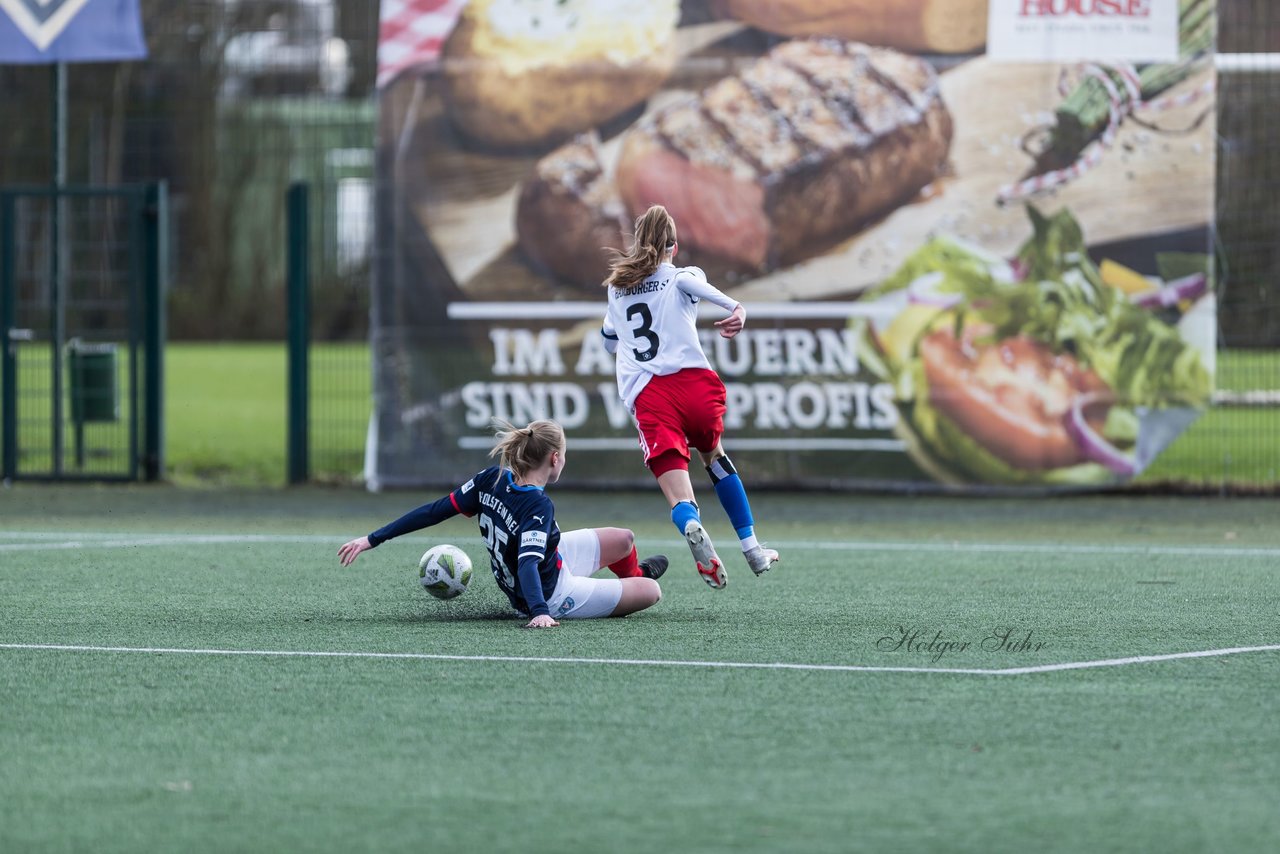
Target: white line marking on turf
{"points": [[645, 662], [86, 540], [122, 541], [1044, 548]]}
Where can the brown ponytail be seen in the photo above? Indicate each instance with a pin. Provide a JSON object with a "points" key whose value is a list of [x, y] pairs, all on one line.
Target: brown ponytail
{"points": [[523, 449], [655, 234]]}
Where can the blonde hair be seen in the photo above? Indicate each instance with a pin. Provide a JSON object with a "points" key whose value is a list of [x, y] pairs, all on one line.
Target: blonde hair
{"points": [[655, 234], [523, 449]]}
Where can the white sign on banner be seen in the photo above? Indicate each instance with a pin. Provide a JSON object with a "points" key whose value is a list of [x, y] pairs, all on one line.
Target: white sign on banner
{"points": [[1078, 30]]}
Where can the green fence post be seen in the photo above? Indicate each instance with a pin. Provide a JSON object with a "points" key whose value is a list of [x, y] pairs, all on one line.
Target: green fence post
{"points": [[298, 286], [155, 265]]}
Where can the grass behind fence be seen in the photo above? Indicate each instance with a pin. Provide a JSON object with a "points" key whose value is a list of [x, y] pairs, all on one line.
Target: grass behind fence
{"points": [[226, 415], [226, 410]]}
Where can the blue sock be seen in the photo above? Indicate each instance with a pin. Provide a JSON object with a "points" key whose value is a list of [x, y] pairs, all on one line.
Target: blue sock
{"points": [[682, 513], [733, 497]]}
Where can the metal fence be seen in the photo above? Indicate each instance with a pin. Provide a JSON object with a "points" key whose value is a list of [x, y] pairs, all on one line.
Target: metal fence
{"points": [[80, 305], [242, 97], [1237, 444]]}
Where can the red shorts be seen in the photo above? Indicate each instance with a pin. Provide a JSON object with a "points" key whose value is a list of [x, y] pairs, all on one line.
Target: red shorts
{"points": [[677, 411]]}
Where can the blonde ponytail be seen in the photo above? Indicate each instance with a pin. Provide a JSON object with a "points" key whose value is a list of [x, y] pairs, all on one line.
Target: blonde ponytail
{"points": [[655, 235], [523, 449]]}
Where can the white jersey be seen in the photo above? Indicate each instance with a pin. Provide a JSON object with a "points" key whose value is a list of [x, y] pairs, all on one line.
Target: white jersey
{"points": [[652, 326]]}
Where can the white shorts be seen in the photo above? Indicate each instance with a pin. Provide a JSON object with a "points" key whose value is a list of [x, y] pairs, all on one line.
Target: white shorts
{"points": [[578, 596]]}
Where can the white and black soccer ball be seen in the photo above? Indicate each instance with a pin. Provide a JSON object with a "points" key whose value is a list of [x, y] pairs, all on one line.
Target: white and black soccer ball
{"points": [[445, 571]]}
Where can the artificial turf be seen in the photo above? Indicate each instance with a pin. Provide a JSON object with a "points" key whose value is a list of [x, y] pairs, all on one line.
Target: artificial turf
{"points": [[644, 747]]}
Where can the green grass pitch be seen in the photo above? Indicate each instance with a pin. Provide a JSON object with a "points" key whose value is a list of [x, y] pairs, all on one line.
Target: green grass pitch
{"points": [[227, 425], [399, 722]]}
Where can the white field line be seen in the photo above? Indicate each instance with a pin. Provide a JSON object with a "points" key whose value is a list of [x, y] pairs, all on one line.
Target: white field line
{"points": [[124, 541], [45, 540], [640, 662]]}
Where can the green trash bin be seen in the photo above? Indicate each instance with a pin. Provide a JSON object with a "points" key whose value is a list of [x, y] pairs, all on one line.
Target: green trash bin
{"points": [[94, 393]]}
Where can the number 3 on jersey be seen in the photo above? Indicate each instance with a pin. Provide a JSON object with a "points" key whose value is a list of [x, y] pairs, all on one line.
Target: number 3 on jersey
{"points": [[644, 330]]}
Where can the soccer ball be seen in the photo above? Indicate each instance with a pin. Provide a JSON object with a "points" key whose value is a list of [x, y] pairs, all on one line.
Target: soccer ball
{"points": [[445, 571]]}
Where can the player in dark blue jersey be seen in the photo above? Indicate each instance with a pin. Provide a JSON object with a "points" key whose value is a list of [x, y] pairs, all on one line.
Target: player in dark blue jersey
{"points": [[544, 573]]}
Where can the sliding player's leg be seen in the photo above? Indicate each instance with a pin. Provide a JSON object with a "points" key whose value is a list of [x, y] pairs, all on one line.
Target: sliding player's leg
{"points": [[579, 597], [618, 552]]}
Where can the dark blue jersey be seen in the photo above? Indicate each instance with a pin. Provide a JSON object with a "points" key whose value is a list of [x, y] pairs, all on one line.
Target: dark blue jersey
{"points": [[516, 523]]}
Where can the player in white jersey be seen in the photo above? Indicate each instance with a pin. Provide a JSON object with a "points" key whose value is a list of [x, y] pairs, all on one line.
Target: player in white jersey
{"points": [[666, 381]]}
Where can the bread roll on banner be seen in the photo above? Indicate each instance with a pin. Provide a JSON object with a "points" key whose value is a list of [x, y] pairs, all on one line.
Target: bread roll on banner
{"points": [[802, 149], [527, 74], [918, 26]]}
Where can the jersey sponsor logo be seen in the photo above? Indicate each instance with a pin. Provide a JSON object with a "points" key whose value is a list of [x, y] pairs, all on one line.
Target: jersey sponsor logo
{"points": [[540, 520], [533, 539], [468, 486]]}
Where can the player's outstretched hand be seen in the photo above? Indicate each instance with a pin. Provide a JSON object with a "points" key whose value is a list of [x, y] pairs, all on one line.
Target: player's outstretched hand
{"points": [[347, 551], [542, 621], [733, 324]]}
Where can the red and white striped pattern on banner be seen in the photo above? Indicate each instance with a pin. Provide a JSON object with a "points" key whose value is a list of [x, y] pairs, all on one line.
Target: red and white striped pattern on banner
{"points": [[411, 33], [1119, 106]]}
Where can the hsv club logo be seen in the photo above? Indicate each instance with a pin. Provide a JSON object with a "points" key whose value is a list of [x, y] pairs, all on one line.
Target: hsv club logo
{"points": [[41, 21]]}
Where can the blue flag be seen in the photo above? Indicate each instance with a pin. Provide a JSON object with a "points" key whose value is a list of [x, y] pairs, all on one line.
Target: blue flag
{"points": [[47, 31]]}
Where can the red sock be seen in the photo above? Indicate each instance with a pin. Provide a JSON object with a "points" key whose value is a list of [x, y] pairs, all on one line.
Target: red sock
{"points": [[628, 567]]}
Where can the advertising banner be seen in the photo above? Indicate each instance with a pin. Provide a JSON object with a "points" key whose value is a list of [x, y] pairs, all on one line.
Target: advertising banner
{"points": [[963, 264]]}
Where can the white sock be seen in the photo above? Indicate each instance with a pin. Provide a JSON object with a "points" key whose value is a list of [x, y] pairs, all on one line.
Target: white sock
{"points": [[749, 543]]}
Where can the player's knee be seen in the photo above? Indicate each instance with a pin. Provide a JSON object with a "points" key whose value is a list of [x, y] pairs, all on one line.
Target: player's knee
{"points": [[637, 594], [720, 468], [623, 542], [615, 543]]}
